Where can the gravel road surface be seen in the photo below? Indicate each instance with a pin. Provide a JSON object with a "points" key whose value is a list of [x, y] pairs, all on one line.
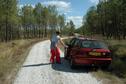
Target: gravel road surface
{"points": [[37, 69]]}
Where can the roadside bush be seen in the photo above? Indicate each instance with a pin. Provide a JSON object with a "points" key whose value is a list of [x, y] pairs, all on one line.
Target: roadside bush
{"points": [[118, 67], [121, 52], [118, 49]]}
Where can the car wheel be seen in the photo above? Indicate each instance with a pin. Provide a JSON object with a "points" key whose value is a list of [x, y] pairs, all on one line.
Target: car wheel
{"points": [[72, 65], [65, 57]]}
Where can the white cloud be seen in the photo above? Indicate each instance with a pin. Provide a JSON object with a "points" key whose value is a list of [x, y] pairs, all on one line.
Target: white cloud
{"points": [[62, 6], [94, 1], [21, 5], [76, 19]]}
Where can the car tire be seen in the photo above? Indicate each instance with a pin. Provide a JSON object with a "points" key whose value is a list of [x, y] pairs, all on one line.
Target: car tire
{"points": [[66, 57], [72, 65]]}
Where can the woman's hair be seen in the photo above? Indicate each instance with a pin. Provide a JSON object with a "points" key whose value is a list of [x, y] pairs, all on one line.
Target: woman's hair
{"points": [[58, 32]]}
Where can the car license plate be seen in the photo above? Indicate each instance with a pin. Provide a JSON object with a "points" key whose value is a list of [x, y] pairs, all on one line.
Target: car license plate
{"points": [[95, 53]]}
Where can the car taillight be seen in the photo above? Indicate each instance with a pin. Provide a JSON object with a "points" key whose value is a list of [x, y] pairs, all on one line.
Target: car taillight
{"points": [[103, 54], [107, 54]]}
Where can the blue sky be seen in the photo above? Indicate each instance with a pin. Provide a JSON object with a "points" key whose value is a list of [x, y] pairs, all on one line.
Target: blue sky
{"points": [[73, 9]]}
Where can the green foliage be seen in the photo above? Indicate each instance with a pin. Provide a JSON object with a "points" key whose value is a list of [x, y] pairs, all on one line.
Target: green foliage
{"points": [[118, 67], [121, 51], [107, 18], [69, 28], [118, 48], [8, 19], [27, 21], [61, 22]]}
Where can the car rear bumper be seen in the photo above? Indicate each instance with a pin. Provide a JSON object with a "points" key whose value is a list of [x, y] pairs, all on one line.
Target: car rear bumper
{"points": [[92, 61]]}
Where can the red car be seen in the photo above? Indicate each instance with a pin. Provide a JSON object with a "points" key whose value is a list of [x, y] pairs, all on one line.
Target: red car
{"points": [[81, 51]]}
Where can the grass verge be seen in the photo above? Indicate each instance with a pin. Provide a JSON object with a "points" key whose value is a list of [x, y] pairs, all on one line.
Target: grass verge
{"points": [[107, 77], [118, 48], [12, 55]]}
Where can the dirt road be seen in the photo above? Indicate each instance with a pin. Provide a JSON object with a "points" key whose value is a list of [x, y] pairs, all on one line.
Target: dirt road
{"points": [[38, 70]]}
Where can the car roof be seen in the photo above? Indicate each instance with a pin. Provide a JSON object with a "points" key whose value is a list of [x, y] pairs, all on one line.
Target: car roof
{"points": [[84, 38]]}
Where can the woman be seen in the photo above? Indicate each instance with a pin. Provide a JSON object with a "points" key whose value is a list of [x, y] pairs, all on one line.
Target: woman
{"points": [[55, 51]]}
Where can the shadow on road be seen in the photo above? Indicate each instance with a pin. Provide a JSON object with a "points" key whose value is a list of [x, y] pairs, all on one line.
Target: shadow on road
{"points": [[35, 65], [65, 67]]}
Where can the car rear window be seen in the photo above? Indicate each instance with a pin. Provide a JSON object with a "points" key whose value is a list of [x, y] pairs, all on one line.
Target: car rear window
{"points": [[74, 42], [93, 44]]}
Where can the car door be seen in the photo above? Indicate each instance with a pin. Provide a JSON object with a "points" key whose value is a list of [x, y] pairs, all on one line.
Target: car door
{"points": [[70, 46], [75, 48]]}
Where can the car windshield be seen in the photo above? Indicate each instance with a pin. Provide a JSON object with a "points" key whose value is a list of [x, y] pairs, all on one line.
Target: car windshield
{"points": [[93, 44]]}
